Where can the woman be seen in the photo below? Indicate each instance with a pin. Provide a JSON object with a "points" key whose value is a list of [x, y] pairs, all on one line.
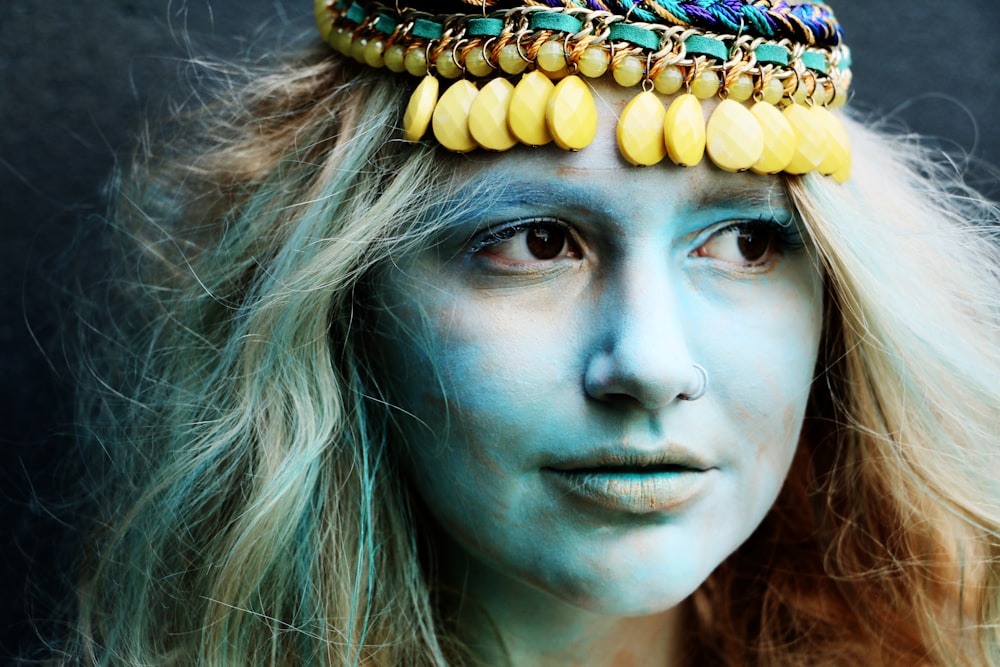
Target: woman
{"points": [[387, 405]]}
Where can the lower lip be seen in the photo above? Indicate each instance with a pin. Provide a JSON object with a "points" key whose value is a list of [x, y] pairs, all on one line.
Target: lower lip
{"points": [[634, 493]]}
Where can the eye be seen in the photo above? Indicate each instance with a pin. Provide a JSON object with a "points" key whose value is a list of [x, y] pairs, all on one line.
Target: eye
{"points": [[746, 243], [528, 242]]}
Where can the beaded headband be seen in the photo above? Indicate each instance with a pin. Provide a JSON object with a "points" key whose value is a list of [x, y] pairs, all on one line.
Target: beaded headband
{"points": [[517, 69]]}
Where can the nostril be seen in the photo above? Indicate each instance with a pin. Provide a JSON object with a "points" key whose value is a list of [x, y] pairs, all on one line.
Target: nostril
{"points": [[618, 379]]}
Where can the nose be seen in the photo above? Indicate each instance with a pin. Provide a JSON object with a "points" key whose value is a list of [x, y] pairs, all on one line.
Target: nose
{"points": [[640, 354]]}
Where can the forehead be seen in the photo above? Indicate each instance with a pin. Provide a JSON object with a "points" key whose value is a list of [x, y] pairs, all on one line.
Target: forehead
{"points": [[599, 176]]}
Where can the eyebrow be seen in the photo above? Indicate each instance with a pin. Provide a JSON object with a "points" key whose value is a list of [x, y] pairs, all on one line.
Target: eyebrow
{"points": [[559, 193], [770, 196]]}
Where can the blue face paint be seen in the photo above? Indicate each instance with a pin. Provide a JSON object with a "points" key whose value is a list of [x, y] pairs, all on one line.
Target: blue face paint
{"points": [[539, 356]]}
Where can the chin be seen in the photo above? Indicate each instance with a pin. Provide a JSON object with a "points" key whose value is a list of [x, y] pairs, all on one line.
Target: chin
{"points": [[624, 589]]}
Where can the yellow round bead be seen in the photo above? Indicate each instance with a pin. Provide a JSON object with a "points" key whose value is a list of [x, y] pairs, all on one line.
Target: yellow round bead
{"points": [[341, 40], [446, 66], [820, 97], [705, 85], [374, 53], [733, 137], [640, 130], [358, 47], [323, 19], [416, 62], [669, 80], [628, 72], [511, 60], [451, 117], [551, 57], [594, 62], [774, 90], [476, 63], [420, 108], [742, 88], [684, 131], [838, 98], [394, 58], [800, 94], [571, 114], [528, 106], [488, 116]]}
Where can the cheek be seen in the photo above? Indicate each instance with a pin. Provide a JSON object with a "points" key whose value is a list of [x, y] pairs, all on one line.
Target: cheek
{"points": [[441, 383], [764, 356]]}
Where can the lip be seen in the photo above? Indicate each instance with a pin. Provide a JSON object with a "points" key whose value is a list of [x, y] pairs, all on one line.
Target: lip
{"points": [[634, 483]]}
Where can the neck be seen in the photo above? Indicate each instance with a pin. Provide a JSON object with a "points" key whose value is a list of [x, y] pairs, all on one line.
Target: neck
{"points": [[507, 622]]}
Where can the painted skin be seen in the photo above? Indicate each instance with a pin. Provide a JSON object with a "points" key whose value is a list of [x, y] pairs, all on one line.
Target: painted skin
{"points": [[538, 354]]}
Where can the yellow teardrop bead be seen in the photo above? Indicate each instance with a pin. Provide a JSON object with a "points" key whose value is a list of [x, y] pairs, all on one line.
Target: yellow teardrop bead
{"points": [[810, 140], [838, 155], [779, 139], [420, 108], [488, 116], [571, 114], [838, 135], [640, 130], [733, 137], [684, 131], [451, 117], [843, 175], [528, 105]]}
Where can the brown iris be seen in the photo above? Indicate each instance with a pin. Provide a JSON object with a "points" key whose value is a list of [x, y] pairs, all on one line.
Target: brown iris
{"points": [[754, 243], [545, 242]]}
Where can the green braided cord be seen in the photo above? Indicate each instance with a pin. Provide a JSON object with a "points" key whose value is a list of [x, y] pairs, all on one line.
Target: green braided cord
{"points": [[802, 21]]}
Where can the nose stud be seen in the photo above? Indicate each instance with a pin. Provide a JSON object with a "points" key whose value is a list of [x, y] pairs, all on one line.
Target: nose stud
{"points": [[702, 386]]}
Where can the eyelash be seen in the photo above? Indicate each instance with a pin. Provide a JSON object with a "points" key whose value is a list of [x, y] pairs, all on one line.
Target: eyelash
{"points": [[785, 236], [785, 233], [497, 235]]}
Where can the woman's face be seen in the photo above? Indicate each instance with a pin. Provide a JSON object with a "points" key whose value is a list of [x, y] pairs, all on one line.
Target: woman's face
{"points": [[539, 352]]}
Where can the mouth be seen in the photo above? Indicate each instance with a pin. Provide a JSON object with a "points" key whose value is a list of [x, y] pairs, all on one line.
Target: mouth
{"points": [[626, 469], [633, 484]]}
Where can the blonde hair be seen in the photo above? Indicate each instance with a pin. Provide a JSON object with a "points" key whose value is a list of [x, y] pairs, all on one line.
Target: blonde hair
{"points": [[254, 514]]}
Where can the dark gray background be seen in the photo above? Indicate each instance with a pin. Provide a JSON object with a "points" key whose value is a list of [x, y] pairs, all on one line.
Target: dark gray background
{"points": [[77, 77]]}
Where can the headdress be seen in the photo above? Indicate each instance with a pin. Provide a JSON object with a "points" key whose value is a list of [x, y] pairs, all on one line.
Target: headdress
{"points": [[515, 73]]}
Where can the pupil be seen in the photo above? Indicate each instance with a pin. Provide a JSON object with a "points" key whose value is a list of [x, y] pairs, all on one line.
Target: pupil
{"points": [[545, 243], [754, 244]]}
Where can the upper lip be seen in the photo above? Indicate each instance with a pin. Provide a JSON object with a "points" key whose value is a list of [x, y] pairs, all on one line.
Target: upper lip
{"points": [[633, 461]]}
